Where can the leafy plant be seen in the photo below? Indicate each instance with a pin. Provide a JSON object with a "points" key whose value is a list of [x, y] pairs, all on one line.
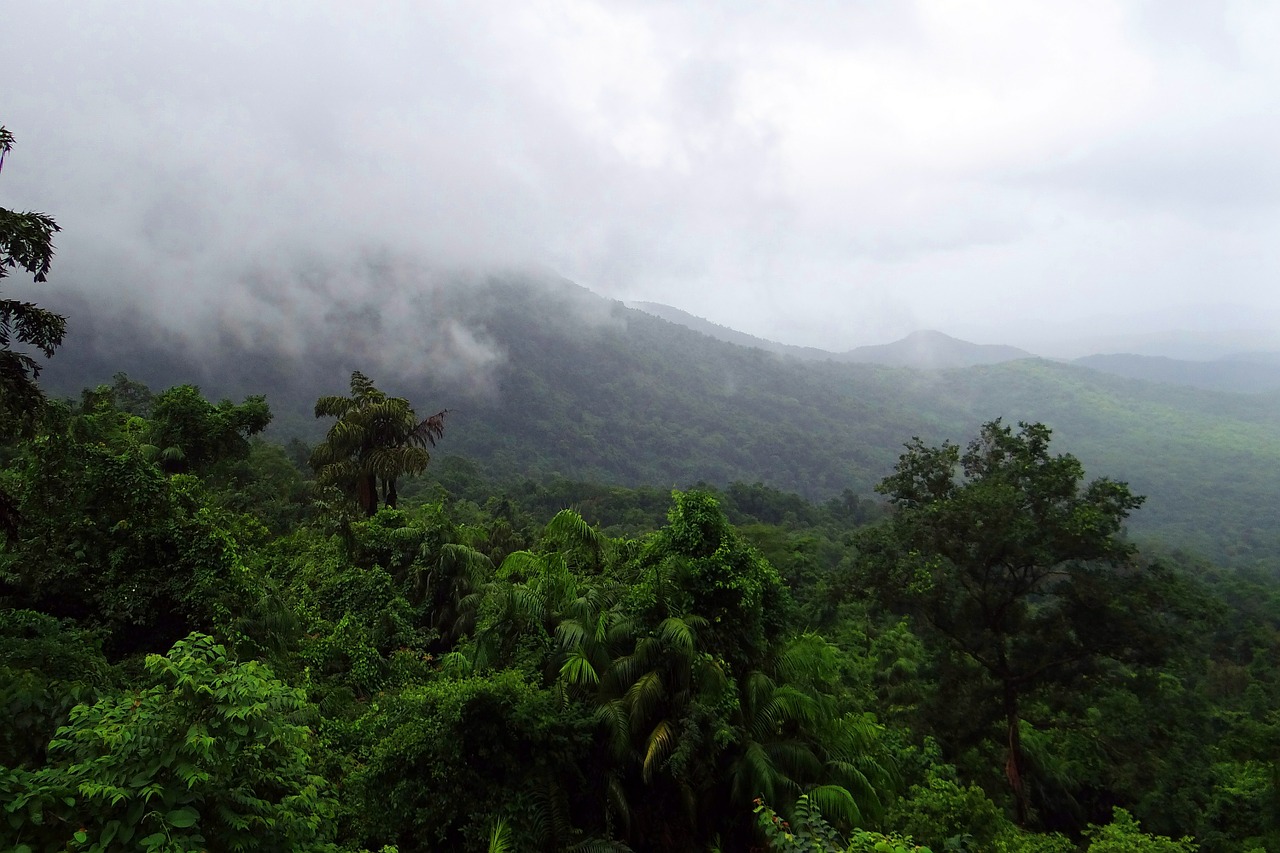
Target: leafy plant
{"points": [[212, 756]]}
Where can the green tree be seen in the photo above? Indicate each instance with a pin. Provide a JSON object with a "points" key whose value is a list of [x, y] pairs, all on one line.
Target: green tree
{"points": [[193, 434], [26, 240], [1011, 559], [375, 438], [211, 756], [110, 541]]}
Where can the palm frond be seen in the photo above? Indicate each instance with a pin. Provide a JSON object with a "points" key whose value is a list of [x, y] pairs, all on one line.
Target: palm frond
{"points": [[578, 671], [754, 774], [334, 406], [616, 800], [571, 634], [793, 758], [500, 837], [657, 747], [677, 632], [836, 804], [570, 528], [428, 431], [643, 696]]}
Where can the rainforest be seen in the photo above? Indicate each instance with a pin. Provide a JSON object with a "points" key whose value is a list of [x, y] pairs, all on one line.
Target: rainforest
{"points": [[638, 589]]}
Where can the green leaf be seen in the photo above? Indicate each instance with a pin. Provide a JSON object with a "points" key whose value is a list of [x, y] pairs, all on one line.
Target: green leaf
{"points": [[182, 818], [153, 840]]}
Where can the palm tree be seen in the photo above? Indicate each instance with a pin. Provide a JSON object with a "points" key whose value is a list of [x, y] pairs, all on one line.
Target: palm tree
{"points": [[376, 438]]}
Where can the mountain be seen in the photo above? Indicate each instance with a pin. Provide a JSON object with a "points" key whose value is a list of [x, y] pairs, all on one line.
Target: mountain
{"points": [[929, 350], [1243, 372], [544, 379], [1180, 344], [926, 350], [726, 334]]}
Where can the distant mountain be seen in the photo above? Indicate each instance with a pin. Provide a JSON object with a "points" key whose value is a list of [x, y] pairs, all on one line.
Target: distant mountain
{"points": [[1254, 358], [1243, 372], [926, 350], [1183, 345], [726, 334], [546, 379], [930, 350]]}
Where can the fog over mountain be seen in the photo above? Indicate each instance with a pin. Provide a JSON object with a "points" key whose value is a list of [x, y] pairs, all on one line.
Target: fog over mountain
{"points": [[829, 176]]}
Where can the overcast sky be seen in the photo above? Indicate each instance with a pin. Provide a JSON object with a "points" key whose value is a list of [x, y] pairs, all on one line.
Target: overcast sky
{"points": [[824, 173]]}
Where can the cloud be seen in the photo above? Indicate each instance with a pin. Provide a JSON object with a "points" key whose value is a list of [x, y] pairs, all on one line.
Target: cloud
{"points": [[832, 174]]}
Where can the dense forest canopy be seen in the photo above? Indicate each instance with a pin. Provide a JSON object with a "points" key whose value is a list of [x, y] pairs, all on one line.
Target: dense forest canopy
{"points": [[213, 641]]}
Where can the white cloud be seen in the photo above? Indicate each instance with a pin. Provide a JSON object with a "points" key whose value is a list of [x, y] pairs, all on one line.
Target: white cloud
{"points": [[831, 174]]}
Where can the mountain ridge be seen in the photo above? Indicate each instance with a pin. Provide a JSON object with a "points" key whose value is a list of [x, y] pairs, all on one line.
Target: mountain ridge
{"points": [[583, 387]]}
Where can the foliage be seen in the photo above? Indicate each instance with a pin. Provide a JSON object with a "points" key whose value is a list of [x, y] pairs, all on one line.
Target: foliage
{"points": [[113, 543], [645, 670], [193, 434], [46, 668], [808, 831], [26, 241], [1123, 835], [948, 816], [211, 756], [1013, 565], [442, 758], [376, 438]]}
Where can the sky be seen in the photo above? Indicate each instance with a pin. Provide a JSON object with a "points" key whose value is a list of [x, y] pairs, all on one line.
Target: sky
{"points": [[822, 173]]}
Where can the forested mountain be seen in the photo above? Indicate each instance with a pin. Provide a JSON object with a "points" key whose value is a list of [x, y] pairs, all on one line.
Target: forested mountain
{"points": [[1244, 373], [925, 349], [212, 642], [728, 335], [568, 383]]}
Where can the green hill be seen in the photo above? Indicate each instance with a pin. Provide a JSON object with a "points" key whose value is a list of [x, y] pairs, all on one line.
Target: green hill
{"points": [[1246, 373], [589, 389]]}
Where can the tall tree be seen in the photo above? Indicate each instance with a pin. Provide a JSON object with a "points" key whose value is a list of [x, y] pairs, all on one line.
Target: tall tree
{"points": [[376, 438], [1010, 558], [26, 241]]}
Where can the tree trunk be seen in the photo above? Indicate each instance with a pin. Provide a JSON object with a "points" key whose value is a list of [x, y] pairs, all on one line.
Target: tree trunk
{"points": [[1013, 764], [392, 494], [367, 493]]}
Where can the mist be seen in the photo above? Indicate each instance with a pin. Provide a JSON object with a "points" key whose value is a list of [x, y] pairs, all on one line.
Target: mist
{"points": [[824, 177]]}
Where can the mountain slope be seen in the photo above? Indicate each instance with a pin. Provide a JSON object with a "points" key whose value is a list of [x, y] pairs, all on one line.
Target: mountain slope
{"points": [[1246, 373], [726, 334], [586, 388]]}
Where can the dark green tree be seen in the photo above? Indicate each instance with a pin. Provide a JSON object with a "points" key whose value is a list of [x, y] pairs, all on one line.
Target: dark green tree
{"points": [[376, 438], [1011, 559], [207, 754], [193, 434], [26, 241]]}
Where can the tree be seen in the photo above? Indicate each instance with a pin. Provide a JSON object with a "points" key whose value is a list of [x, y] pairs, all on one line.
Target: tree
{"points": [[26, 240], [193, 434], [1011, 559], [210, 754], [376, 437]]}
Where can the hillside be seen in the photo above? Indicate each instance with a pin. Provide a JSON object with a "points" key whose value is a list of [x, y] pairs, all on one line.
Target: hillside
{"points": [[925, 349], [1244, 373], [579, 386], [726, 334]]}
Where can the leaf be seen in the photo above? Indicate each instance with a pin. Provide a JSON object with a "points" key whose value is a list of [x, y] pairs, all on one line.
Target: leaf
{"points": [[500, 837], [182, 818]]}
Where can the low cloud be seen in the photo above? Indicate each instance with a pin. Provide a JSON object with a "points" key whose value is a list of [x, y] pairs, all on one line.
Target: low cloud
{"points": [[828, 175]]}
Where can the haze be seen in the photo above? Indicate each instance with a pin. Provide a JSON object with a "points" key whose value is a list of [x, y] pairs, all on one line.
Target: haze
{"points": [[820, 174]]}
